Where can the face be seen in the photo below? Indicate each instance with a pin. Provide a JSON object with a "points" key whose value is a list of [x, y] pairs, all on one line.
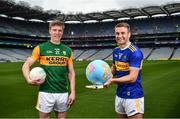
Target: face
{"points": [[56, 33], [122, 35]]}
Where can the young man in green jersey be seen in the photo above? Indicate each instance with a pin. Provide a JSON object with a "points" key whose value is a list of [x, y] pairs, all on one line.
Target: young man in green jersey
{"points": [[57, 61]]}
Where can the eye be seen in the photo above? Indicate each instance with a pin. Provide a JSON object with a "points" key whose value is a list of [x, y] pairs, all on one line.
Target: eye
{"points": [[122, 33], [54, 29], [117, 33]]}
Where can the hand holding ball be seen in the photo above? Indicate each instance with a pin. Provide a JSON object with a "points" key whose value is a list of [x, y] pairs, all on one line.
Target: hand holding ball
{"points": [[38, 74]]}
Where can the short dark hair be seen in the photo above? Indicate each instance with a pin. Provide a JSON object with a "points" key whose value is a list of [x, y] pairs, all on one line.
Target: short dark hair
{"points": [[123, 24], [56, 22]]}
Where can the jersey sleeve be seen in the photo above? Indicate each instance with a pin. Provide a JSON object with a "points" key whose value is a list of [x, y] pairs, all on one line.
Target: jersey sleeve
{"points": [[36, 53], [113, 53], [136, 59], [70, 61]]}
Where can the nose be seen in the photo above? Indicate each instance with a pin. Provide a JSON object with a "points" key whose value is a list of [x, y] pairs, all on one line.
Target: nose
{"points": [[118, 35], [57, 32]]}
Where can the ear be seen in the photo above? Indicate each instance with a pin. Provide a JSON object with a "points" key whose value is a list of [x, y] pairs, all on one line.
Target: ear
{"points": [[49, 30], [129, 34]]}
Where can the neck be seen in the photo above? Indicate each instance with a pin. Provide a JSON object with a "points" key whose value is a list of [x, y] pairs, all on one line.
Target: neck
{"points": [[55, 42], [124, 45]]}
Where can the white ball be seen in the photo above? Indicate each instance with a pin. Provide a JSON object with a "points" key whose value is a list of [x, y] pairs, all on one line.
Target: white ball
{"points": [[37, 73]]}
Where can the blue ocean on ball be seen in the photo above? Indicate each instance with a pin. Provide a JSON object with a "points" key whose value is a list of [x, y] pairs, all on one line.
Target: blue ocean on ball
{"points": [[98, 72]]}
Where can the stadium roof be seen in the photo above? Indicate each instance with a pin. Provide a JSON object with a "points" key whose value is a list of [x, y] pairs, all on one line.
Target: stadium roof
{"points": [[23, 10]]}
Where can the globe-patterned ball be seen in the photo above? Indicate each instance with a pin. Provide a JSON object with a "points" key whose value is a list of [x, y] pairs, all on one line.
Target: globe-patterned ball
{"points": [[98, 72]]}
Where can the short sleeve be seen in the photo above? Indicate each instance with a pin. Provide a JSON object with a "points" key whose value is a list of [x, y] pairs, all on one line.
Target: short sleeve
{"points": [[70, 61], [36, 53], [136, 59]]}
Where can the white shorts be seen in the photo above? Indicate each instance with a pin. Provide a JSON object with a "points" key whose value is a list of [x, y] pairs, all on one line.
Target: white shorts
{"points": [[129, 106], [48, 102]]}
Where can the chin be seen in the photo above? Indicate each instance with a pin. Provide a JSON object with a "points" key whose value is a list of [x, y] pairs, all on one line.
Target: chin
{"points": [[120, 43], [56, 40]]}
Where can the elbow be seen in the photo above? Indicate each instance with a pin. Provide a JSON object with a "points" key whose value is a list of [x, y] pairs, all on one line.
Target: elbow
{"points": [[23, 67], [132, 79], [71, 74]]}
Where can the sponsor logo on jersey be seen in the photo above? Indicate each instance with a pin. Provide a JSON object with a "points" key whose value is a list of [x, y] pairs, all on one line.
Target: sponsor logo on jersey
{"points": [[122, 66], [49, 52], [54, 60]]}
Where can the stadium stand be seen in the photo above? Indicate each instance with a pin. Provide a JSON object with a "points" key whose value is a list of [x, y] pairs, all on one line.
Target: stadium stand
{"points": [[158, 37], [176, 55], [101, 54], [77, 53], [146, 52], [87, 54], [162, 53]]}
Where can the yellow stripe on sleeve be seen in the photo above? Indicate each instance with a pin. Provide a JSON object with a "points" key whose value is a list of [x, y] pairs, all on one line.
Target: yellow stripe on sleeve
{"points": [[36, 53], [70, 61]]}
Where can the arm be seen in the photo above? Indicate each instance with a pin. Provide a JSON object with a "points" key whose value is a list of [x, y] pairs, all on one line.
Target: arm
{"points": [[113, 69], [26, 69], [136, 59], [131, 78], [71, 77]]}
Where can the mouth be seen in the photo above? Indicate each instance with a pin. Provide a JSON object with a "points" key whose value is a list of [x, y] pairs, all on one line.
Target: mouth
{"points": [[56, 36], [119, 39]]}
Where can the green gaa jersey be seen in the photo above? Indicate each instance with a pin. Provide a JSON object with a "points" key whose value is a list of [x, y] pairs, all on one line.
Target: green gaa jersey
{"points": [[54, 59]]}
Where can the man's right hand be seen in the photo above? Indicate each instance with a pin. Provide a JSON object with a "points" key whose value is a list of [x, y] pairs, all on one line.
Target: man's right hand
{"points": [[35, 82]]}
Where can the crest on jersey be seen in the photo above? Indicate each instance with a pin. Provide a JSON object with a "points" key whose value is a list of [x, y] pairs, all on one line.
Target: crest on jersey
{"points": [[120, 55], [57, 51], [64, 52], [124, 57]]}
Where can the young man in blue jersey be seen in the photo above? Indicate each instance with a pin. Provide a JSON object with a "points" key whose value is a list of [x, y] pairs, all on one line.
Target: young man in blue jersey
{"points": [[126, 67]]}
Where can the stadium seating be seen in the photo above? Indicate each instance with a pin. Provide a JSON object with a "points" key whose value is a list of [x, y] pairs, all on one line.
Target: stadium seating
{"points": [[161, 53], [157, 38], [176, 55]]}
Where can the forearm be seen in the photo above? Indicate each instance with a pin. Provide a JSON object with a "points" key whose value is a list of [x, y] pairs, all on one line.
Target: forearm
{"points": [[26, 70], [130, 78], [113, 69], [72, 96], [71, 77], [124, 79]]}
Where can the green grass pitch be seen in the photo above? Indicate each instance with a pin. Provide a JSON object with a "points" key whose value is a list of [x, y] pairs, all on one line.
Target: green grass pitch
{"points": [[161, 83]]}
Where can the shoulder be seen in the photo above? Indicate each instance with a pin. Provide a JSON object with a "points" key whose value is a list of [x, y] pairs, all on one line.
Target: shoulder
{"points": [[66, 49], [135, 51], [44, 44], [133, 48], [116, 49], [65, 46]]}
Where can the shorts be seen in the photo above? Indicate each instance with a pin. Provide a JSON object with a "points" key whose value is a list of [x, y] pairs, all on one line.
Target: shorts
{"points": [[48, 102], [129, 106]]}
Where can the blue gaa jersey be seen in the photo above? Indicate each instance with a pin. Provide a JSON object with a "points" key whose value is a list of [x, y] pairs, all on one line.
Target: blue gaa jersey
{"points": [[124, 59]]}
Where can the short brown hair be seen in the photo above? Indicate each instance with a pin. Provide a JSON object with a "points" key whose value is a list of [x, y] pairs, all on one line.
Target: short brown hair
{"points": [[56, 22], [123, 24]]}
